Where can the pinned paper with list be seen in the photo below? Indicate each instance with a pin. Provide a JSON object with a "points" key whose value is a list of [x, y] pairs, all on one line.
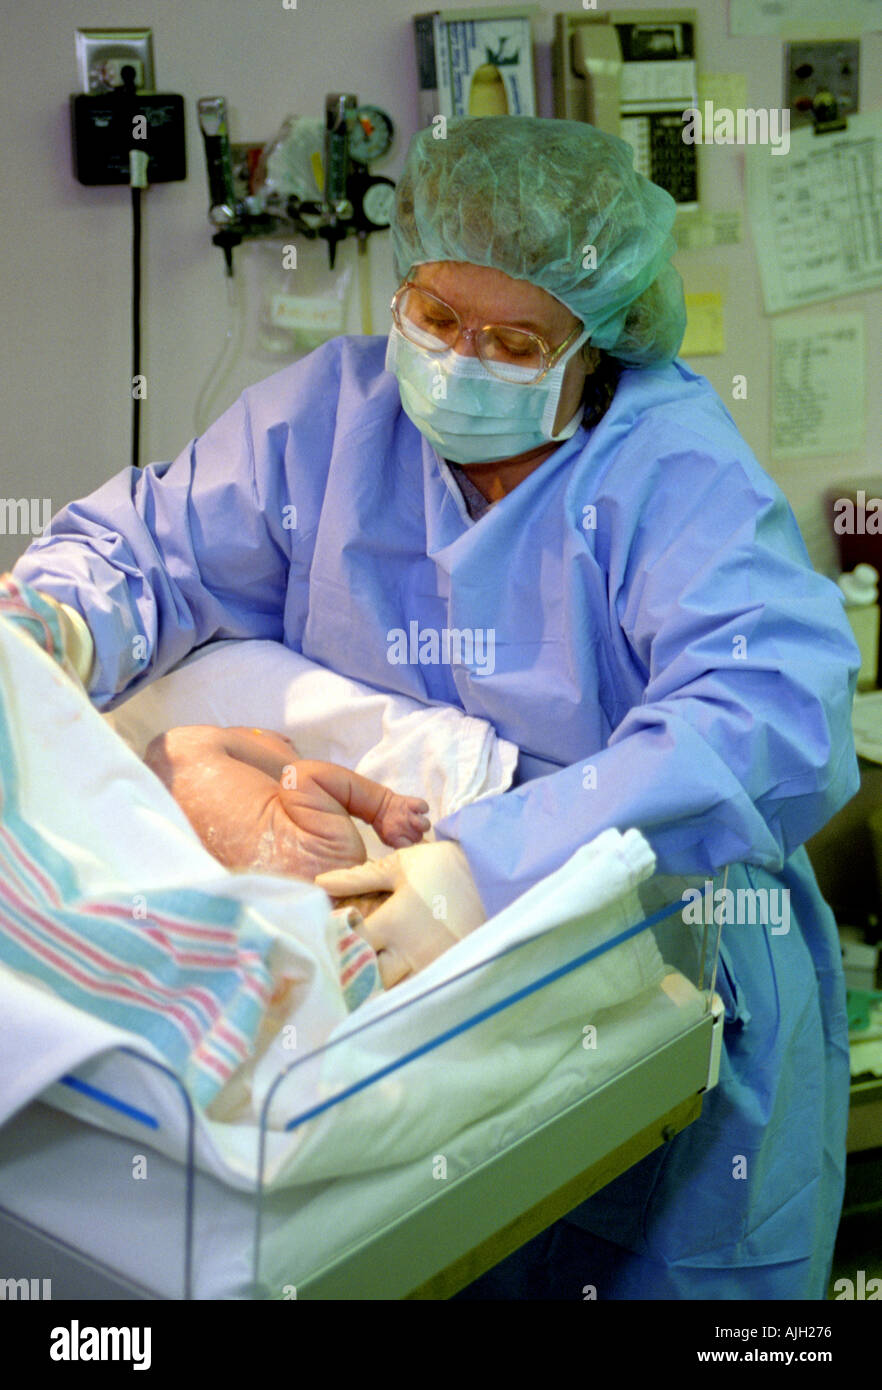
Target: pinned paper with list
{"points": [[816, 214], [818, 389]]}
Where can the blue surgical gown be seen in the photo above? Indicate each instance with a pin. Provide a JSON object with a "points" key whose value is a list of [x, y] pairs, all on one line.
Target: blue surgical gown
{"points": [[655, 617]]}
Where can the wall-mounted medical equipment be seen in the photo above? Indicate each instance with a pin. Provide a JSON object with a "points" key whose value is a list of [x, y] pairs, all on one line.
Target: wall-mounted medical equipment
{"points": [[822, 82], [124, 133], [633, 73], [476, 62], [309, 184], [118, 113], [102, 134], [312, 180]]}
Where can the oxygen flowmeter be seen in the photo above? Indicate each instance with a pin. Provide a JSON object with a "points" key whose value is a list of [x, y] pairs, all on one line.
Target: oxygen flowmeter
{"points": [[312, 179]]}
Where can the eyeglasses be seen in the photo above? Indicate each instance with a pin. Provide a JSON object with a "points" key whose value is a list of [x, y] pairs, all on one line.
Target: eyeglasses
{"points": [[434, 326]]}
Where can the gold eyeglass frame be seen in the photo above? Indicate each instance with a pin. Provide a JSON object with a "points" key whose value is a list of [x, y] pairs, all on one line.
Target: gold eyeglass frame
{"points": [[550, 355]]}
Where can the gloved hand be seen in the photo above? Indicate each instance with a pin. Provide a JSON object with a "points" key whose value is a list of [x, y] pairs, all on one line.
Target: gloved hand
{"points": [[434, 903], [79, 648], [57, 628]]}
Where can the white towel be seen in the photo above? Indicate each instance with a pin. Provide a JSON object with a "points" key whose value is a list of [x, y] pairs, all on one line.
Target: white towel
{"points": [[434, 751]]}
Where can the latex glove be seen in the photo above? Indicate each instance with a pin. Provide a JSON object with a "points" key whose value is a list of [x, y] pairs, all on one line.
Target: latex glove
{"points": [[79, 648], [45, 619], [434, 903]]}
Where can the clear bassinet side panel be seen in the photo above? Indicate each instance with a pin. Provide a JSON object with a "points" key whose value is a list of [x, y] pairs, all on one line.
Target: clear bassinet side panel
{"points": [[105, 1215], [431, 1119], [367, 1137]]}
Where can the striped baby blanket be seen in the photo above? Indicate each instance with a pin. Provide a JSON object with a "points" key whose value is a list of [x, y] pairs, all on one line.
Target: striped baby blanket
{"points": [[116, 908]]}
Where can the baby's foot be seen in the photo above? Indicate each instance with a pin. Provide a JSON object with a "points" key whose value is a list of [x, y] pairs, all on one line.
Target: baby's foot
{"points": [[401, 820]]}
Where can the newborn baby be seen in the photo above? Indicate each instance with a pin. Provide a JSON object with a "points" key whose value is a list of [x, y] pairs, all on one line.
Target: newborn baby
{"points": [[255, 805]]}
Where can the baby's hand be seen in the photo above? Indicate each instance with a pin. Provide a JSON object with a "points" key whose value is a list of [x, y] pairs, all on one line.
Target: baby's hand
{"points": [[401, 820]]}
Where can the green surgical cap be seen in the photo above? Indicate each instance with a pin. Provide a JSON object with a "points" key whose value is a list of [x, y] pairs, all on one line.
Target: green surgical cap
{"points": [[531, 197]]}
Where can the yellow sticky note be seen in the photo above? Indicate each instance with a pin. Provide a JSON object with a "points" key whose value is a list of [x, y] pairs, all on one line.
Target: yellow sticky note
{"points": [[704, 326]]}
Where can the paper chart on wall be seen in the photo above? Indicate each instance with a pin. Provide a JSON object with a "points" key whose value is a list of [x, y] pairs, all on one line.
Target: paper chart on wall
{"points": [[804, 18], [818, 385], [815, 214]]}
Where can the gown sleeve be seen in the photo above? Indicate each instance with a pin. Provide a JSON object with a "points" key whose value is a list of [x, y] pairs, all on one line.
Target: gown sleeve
{"points": [[163, 559], [741, 747]]}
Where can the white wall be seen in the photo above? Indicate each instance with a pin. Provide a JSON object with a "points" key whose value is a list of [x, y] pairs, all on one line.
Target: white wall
{"points": [[66, 403]]}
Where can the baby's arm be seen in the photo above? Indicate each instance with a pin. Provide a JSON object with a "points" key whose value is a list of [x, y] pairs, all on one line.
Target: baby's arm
{"points": [[227, 799], [269, 752], [398, 820]]}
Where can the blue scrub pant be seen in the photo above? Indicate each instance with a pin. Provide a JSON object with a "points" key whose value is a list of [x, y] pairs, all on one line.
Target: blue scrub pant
{"points": [[678, 1225], [566, 1262]]}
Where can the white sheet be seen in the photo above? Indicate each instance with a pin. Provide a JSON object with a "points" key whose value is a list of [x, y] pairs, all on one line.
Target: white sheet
{"points": [[122, 831]]}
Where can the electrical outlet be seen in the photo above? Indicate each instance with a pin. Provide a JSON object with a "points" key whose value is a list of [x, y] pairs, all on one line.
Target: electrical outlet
{"points": [[103, 53]]}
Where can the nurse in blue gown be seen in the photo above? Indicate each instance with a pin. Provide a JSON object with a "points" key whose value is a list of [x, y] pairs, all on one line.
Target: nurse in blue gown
{"points": [[527, 462]]}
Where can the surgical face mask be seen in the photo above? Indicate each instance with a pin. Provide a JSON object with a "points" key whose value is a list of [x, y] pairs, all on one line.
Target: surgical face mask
{"points": [[470, 416]]}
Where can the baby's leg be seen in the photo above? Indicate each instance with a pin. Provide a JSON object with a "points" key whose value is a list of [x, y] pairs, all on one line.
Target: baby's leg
{"points": [[398, 820]]}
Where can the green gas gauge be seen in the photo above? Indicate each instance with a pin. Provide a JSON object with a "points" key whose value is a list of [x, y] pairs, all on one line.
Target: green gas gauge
{"points": [[370, 134]]}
